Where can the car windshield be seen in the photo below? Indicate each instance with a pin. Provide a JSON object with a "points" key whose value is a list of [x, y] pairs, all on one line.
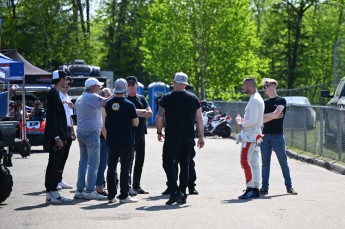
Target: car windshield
{"points": [[297, 100]]}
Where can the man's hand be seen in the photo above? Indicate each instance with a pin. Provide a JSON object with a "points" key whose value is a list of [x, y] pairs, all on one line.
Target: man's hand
{"points": [[160, 137], [201, 142]]}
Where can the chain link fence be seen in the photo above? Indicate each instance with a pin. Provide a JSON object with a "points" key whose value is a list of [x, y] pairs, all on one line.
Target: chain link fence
{"points": [[316, 129]]}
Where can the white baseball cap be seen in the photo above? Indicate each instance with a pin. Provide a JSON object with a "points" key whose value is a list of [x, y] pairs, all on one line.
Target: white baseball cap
{"points": [[181, 77], [92, 81]]}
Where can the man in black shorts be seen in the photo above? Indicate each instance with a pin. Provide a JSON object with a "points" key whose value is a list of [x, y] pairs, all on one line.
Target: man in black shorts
{"points": [[180, 110]]}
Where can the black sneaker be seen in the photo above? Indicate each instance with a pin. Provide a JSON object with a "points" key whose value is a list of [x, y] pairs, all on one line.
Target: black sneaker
{"points": [[193, 191], [263, 191], [166, 192], [248, 194], [256, 192], [175, 197], [183, 200], [291, 191], [140, 191]]}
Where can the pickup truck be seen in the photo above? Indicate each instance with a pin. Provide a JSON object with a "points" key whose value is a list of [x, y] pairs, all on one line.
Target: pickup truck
{"points": [[335, 116]]}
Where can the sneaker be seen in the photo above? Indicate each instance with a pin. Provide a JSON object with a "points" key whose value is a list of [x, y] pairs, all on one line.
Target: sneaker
{"points": [[132, 192], [61, 198], [93, 196], [263, 191], [183, 200], [291, 191], [50, 199], [114, 200], [193, 191], [58, 187], [248, 194], [140, 191], [256, 193], [166, 192], [129, 199], [78, 195], [103, 193], [64, 185], [175, 197]]}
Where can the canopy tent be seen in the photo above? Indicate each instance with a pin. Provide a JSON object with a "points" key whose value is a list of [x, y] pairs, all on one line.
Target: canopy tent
{"points": [[11, 70]]}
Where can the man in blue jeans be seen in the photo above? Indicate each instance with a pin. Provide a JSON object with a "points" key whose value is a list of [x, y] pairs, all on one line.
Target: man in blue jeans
{"points": [[275, 107], [89, 119]]}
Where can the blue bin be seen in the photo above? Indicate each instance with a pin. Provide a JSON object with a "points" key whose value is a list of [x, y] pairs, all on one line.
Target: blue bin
{"points": [[156, 91], [140, 89]]}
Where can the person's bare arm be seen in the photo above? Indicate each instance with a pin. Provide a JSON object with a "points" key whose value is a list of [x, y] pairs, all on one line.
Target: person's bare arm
{"points": [[198, 118], [276, 114], [160, 122]]}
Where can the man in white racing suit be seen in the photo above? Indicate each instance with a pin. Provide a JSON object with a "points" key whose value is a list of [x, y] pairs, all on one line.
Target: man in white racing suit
{"points": [[251, 137]]}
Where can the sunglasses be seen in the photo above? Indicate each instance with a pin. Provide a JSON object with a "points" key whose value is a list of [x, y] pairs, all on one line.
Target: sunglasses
{"points": [[266, 86]]}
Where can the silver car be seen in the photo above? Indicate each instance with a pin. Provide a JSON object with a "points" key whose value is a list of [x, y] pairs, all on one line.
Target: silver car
{"points": [[300, 113]]}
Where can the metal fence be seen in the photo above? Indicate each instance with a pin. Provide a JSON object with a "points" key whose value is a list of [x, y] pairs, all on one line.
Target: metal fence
{"points": [[316, 129]]}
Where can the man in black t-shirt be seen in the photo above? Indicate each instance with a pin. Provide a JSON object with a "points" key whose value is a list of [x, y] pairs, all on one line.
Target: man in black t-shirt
{"points": [[120, 119], [144, 111], [180, 110], [275, 108]]}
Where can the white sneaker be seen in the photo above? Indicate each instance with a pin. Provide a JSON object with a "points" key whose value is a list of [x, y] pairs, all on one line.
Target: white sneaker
{"points": [[61, 198], [58, 187], [94, 196], [114, 200], [78, 195], [64, 185], [50, 199], [129, 199], [132, 192]]}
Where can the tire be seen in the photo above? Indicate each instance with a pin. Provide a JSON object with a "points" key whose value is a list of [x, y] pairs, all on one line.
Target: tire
{"points": [[6, 183], [226, 132], [24, 148]]}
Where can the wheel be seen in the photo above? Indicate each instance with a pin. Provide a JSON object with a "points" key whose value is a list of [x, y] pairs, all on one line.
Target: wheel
{"points": [[24, 148], [6, 183], [226, 132]]}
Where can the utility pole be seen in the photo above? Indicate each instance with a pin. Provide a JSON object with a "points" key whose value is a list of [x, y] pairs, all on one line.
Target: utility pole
{"points": [[0, 30]]}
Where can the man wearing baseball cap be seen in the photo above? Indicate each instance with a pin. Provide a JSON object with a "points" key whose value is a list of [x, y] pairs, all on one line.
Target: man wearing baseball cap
{"points": [[180, 109], [144, 111], [120, 119], [89, 119], [56, 134]]}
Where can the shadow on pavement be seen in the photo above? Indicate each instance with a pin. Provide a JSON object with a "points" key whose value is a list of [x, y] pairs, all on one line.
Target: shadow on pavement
{"points": [[154, 198], [238, 201], [162, 207], [103, 205], [34, 193]]}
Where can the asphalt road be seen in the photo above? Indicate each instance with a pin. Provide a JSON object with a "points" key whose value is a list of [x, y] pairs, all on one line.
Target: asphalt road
{"points": [[320, 202]]}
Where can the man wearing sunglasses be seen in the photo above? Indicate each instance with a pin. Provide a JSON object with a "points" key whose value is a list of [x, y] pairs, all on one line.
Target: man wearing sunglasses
{"points": [[144, 111], [68, 106], [275, 108]]}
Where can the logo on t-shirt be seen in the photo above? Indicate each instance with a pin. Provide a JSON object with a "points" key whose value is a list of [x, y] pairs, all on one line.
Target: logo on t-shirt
{"points": [[115, 106]]}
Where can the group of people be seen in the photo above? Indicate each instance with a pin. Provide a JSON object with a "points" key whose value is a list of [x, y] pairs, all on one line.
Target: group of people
{"points": [[112, 126], [269, 114], [111, 129]]}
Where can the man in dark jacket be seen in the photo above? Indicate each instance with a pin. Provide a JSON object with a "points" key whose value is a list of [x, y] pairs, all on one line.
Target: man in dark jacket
{"points": [[56, 134]]}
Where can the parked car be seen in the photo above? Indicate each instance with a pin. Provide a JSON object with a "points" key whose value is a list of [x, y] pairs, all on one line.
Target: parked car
{"points": [[335, 118], [300, 113]]}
